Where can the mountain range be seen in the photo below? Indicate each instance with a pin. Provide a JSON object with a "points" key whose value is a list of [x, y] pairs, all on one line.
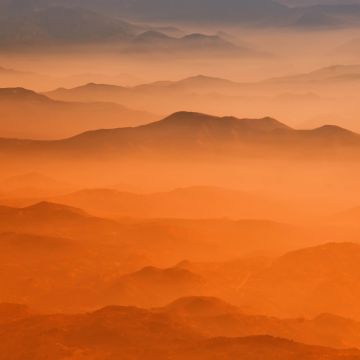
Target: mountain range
{"points": [[313, 96], [49, 25], [129, 257], [158, 333], [197, 135]]}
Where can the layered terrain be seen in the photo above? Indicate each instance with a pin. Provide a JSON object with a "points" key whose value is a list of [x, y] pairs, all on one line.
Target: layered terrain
{"points": [[179, 180]]}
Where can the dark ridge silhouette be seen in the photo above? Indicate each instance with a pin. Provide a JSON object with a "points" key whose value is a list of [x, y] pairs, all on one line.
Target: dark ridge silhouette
{"points": [[200, 136]]}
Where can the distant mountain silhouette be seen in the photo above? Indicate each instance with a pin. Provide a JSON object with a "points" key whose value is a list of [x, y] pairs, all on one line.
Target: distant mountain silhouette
{"points": [[314, 96], [54, 23], [198, 135], [59, 24], [29, 114], [188, 91], [197, 43], [90, 92], [21, 94], [101, 92]]}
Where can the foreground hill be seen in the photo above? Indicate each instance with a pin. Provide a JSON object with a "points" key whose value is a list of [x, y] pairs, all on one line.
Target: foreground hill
{"points": [[184, 135], [27, 114], [112, 331]]}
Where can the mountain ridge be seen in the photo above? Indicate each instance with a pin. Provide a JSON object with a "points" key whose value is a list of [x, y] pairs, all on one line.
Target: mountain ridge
{"points": [[199, 134]]}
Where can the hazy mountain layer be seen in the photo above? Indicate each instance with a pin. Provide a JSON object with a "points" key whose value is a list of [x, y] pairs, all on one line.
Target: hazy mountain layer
{"points": [[27, 114], [201, 136]]}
